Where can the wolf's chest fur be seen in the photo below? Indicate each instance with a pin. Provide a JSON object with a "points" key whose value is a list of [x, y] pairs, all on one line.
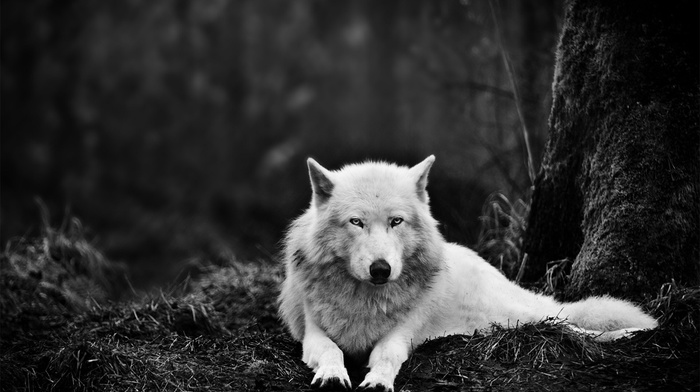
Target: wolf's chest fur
{"points": [[355, 315]]}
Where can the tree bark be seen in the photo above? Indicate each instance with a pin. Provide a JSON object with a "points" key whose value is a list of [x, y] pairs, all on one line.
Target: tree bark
{"points": [[618, 189]]}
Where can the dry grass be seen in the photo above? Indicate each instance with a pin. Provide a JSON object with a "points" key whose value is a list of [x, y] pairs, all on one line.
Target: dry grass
{"points": [[202, 335], [220, 332], [503, 224], [163, 344]]}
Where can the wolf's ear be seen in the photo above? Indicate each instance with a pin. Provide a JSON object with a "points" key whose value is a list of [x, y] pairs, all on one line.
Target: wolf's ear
{"points": [[420, 173], [321, 184]]}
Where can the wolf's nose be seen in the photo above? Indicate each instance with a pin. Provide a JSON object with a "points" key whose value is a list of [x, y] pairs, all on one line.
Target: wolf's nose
{"points": [[379, 270]]}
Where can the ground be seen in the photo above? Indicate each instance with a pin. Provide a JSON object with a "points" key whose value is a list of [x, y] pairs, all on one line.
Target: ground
{"points": [[217, 330]]}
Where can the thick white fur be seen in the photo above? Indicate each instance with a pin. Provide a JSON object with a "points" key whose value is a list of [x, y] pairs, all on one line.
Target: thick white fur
{"points": [[435, 288]]}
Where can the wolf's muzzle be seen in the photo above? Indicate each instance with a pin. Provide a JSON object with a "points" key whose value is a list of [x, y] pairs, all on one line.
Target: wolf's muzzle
{"points": [[379, 270]]}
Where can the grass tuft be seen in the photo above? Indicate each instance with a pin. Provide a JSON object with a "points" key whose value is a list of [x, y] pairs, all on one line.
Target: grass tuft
{"points": [[64, 269], [503, 224], [537, 344], [243, 293], [677, 306]]}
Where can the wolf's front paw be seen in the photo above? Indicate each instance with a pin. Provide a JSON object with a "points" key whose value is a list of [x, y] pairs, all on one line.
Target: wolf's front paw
{"points": [[376, 383], [331, 378]]}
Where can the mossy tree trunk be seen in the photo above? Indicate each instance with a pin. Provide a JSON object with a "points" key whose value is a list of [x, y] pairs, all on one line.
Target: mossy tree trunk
{"points": [[618, 189]]}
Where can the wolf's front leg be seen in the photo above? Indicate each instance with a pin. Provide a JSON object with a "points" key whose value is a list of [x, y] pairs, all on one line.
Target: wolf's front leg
{"points": [[385, 362], [324, 357]]}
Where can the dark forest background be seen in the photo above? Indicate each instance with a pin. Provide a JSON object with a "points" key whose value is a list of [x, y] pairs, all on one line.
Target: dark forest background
{"points": [[177, 130]]}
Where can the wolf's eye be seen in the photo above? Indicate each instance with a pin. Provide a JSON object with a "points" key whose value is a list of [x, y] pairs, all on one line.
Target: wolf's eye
{"points": [[396, 221], [356, 221]]}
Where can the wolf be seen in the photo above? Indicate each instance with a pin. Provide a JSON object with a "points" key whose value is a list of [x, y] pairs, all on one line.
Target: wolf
{"points": [[369, 276]]}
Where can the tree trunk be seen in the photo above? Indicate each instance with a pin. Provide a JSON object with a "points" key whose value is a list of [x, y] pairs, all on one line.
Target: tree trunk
{"points": [[618, 189]]}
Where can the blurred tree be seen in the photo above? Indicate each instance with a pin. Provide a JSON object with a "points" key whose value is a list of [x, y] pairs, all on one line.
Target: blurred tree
{"points": [[536, 32], [381, 82], [181, 127], [42, 136], [618, 191]]}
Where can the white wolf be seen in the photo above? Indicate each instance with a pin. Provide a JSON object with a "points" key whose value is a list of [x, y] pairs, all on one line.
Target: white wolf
{"points": [[368, 275]]}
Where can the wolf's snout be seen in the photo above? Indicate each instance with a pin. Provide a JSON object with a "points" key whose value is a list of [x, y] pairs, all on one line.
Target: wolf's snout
{"points": [[379, 270]]}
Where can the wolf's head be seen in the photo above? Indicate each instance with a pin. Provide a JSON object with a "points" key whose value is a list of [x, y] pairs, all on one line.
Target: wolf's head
{"points": [[374, 217]]}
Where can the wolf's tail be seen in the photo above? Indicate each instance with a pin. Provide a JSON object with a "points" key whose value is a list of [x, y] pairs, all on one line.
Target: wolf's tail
{"points": [[606, 317]]}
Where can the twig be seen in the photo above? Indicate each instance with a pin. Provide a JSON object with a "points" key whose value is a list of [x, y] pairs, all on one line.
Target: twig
{"points": [[521, 270]]}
